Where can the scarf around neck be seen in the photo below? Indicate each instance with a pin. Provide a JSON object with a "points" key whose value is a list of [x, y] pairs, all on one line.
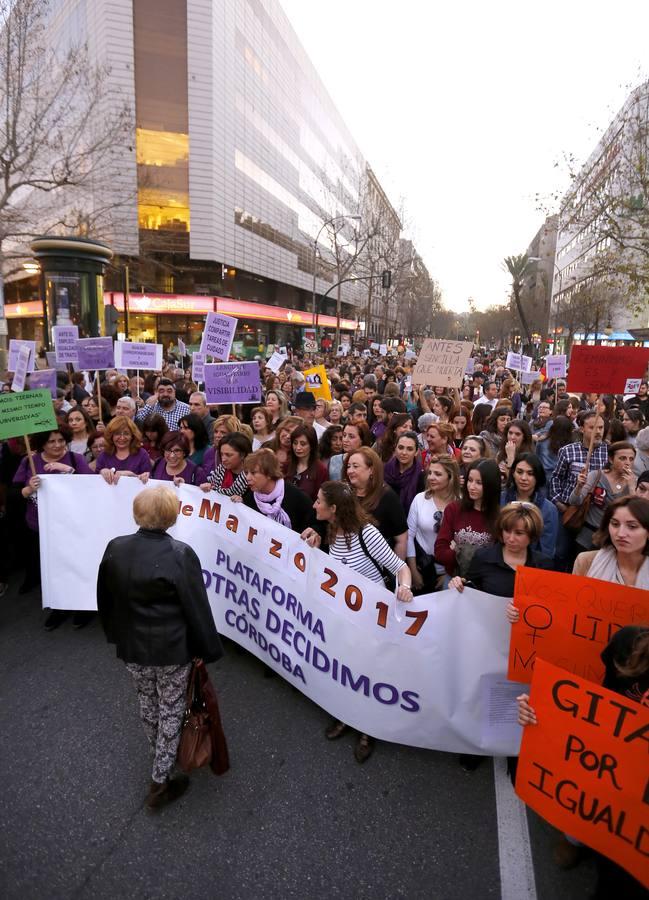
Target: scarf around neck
{"points": [[405, 483], [271, 504], [604, 566]]}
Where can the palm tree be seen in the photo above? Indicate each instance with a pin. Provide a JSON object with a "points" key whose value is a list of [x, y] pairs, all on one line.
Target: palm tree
{"points": [[516, 266]]}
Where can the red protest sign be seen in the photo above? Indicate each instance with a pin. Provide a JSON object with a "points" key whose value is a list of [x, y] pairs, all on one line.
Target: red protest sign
{"points": [[583, 767], [568, 620], [604, 370]]}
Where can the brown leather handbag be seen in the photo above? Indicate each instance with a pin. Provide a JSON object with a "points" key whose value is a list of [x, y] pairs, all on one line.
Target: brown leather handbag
{"points": [[574, 517], [202, 741]]}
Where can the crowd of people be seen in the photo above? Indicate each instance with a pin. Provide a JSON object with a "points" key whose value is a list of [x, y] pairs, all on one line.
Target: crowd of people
{"points": [[417, 487]]}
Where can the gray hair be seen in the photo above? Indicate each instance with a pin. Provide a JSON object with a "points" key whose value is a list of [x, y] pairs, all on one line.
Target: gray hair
{"points": [[130, 402], [424, 421], [200, 394]]}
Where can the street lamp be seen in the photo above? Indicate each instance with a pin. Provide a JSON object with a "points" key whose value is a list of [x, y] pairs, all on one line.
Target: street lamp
{"points": [[315, 256]]}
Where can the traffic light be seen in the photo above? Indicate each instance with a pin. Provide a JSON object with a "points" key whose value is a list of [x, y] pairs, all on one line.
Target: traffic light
{"points": [[386, 279]]}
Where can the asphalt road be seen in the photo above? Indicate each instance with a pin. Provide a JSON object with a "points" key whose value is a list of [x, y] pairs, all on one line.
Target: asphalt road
{"points": [[296, 816]]}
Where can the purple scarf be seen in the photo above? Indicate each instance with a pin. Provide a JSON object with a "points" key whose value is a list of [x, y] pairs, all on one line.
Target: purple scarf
{"points": [[406, 484], [271, 504]]}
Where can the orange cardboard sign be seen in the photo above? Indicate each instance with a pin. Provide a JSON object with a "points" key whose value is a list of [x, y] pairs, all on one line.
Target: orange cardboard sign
{"points": [[568, 620], [584, 768]]}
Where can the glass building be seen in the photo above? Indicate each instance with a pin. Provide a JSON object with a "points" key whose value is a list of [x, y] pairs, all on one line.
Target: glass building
{"points": [[238, 159]]}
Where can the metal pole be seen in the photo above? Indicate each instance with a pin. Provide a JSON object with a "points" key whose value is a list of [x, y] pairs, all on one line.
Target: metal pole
{"points": [[127, 300], [4, 330], [315, 255]]}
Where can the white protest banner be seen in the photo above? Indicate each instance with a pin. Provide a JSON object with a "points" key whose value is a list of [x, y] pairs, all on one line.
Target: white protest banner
{"points": [[138, 355], [65, 339], [417, 679], [526, 363], [198, 367], [410, 354], [374, 346], [276, 361], [14, 349], [632, 385], [513, 361], [21, 368], [529, 377], [182, 349], [218, 335], [470, 366], [383, 349], [555, 366], [442, 363]]}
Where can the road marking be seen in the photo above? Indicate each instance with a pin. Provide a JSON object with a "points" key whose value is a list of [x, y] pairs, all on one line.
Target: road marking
{"points": [[514, 850]]}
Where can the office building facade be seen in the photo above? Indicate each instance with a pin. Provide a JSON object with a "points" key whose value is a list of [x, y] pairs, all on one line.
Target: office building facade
{"points": [[238, 159], [592, 295]]}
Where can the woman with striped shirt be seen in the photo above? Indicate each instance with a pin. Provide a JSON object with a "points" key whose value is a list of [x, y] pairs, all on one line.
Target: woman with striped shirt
{"points": [[357, 544]]}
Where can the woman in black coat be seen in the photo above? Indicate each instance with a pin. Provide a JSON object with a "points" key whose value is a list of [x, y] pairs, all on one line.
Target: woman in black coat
{"points": [[153, 606]]}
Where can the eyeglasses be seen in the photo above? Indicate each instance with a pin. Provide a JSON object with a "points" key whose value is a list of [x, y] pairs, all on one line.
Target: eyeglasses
{"points": [[524, 503], [177, 451]]}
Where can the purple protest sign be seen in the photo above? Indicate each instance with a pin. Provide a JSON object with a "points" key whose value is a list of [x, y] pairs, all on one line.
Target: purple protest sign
{"points": [[555, 366], [198, 367], [14, 350], [21, 369], [218, 335], [95, 353], [65, 343], [138, 355], [53, 364], [232, 383], [43, 378]]}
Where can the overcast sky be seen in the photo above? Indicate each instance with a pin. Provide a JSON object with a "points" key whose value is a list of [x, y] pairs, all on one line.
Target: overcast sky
{"points": [[464, 109]]}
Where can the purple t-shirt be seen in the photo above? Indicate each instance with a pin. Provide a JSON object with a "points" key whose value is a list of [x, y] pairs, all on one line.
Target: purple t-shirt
{"points": [[191, 474], [24, 473], [209, 459], [138, 462]]}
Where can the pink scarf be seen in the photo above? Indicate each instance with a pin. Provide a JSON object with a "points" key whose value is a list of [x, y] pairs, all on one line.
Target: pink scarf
{"points": [[271, 504]]}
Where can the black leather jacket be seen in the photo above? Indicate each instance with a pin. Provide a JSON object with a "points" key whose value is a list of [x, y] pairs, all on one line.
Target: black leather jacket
{"points": [[152, 601]]}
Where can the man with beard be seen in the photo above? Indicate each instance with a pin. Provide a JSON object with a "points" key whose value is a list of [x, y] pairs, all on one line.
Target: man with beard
{"points": [[166, 405]]}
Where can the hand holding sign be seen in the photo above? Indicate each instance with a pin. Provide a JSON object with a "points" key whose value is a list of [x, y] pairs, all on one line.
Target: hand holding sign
{"points": [[567, 619], [583, 766]]}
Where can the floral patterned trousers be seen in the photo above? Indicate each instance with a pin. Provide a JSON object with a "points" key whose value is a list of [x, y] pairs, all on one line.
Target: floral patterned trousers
{"points": [[161, 691]]}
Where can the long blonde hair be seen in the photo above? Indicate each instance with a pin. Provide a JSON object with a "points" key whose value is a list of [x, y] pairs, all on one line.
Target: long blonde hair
{"points": [[452, 469]]}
